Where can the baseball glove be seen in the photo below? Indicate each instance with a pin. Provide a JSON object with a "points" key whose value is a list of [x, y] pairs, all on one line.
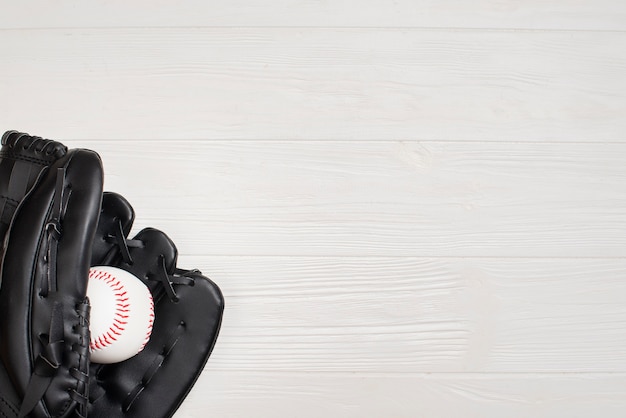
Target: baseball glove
{"points": [[188, 312], [57, 223], [51, 202]]}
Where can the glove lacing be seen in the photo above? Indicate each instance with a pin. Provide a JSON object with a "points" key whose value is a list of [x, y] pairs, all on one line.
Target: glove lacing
{"points": [[53, 344], [180, 276], [54, 230], [167, 279], [46, 364], [122, 244], [26, 156], [49, 360]]}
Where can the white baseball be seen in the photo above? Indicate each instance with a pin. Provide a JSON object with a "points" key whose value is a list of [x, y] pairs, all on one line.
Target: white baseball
{"points": [[122, 314]]}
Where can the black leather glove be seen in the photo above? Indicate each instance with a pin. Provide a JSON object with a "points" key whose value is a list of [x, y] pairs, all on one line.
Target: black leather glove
{"points": [[188, 312], [52, 198], [58, 223]]}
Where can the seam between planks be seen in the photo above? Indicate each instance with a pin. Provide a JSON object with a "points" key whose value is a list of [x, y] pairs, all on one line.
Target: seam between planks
{"points": [[381, 28]]}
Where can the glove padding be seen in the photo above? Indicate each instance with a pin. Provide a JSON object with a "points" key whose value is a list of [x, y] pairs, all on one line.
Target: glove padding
{"points": [[188, 312], [52, 199]]}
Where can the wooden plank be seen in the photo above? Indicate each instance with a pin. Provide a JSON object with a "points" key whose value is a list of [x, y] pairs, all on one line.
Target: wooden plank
{"points": [[376, 198], [508, 14], [354, 395], [410, 314], [328, 84]]}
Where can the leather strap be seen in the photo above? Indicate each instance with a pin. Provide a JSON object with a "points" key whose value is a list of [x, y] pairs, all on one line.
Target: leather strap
{"points": [[47, 363]]}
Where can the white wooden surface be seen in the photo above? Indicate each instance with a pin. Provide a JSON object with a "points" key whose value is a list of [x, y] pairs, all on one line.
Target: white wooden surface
{"points": [[414, 208], [317, 84]]}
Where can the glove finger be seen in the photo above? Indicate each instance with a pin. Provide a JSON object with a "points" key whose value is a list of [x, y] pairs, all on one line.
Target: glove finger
{"points": [[188, 313], [116, 220], [44, 331]]}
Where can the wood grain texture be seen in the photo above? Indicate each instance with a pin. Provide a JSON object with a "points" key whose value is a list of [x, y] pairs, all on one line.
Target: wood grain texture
{"points": [[508, 14], [353, 395], [414, 208], [376, 198], [315, 83], [410, 314]]}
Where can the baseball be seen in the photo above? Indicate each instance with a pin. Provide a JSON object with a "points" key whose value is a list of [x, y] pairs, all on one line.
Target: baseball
{"points": [[122, 314]]}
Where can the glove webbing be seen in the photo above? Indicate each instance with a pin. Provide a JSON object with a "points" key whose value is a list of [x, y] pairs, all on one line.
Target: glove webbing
{"points": [[49, 361], [82, 349]]}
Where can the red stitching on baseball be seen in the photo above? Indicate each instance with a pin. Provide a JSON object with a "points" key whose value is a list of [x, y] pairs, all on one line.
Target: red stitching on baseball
{"points": [[150, 323], [119, 322]]}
